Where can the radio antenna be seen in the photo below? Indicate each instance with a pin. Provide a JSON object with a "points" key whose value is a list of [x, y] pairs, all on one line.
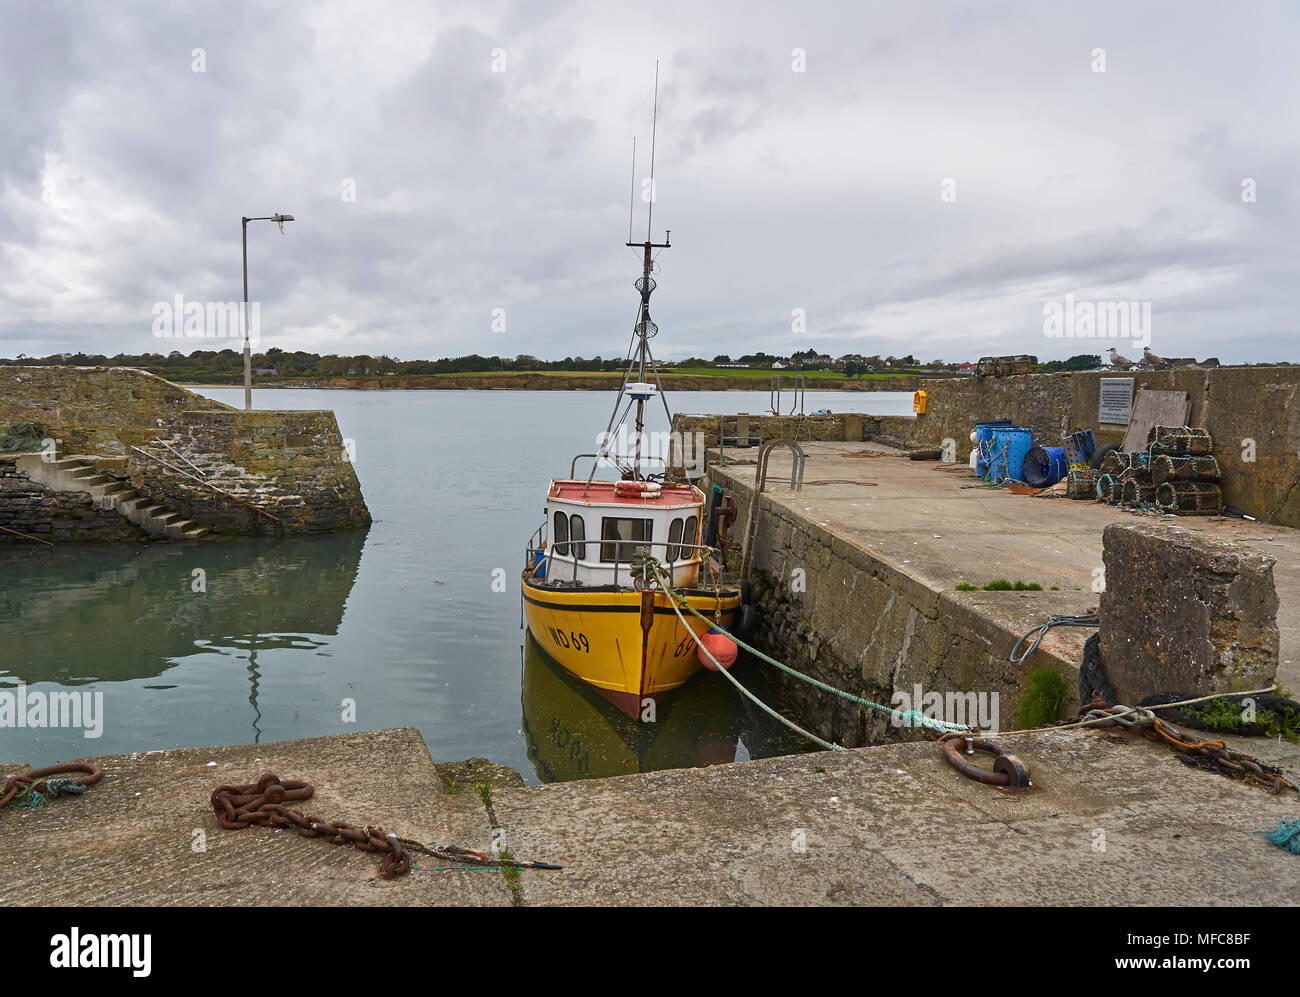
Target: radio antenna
{"points": [[654, 121], [631, 194]]}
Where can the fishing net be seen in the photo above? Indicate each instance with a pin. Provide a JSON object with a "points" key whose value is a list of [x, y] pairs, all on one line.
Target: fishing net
{"points": [[1081, 483], [1189, 498], [1106, 484], [1179, 440], [1189, 467], [1137, 494], [1114, 462]]}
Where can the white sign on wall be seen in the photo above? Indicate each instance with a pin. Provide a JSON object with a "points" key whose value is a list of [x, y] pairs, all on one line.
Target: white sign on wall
{"points": [[1116, 405]]}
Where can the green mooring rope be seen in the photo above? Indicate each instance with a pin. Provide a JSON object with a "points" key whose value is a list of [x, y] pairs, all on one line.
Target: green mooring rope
{"points": [[1286, 837], [35, 799], [907, 718]]}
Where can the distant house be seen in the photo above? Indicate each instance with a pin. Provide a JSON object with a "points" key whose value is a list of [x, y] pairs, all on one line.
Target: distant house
{"points": [[819, 361], [779, 365], [265, 372]]}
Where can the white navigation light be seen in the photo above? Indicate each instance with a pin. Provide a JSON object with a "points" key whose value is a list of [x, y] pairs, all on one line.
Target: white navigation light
{"points": [[640, 390]]}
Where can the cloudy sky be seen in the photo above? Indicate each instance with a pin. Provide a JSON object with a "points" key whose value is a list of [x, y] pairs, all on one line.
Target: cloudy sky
{"points": [[908, 178]]}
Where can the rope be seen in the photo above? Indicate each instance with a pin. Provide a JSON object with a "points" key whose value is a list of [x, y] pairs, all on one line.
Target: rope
{"points": [[905, 718], [1086, 620], [740, 688], [35, 799], [1102, 716], [1286, 837]]}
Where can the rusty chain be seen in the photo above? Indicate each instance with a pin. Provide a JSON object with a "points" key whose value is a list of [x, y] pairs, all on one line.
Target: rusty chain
{"points": [[263, 803], [38, 783], [1218, 756], [1235, 764]]}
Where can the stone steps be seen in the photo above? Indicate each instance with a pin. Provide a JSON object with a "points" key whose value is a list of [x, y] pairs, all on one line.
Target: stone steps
{"points": [[80, 474]]}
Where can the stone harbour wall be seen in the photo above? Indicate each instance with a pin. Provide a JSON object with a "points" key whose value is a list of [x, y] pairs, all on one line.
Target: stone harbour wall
{"points": [[1253, 413], [851, 427], [31, 508], [291, 464], [94, 410]]}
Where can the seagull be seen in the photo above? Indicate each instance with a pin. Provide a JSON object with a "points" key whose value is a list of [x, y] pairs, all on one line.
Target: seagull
{"points": [[1152, 359], [1124, 363]]}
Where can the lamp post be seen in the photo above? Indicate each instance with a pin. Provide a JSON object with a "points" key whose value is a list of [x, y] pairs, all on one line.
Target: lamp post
{"points": [[248, 356]]}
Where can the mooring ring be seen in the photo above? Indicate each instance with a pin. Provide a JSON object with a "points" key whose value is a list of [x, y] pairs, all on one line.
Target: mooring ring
{"points": [[1008, 770]]}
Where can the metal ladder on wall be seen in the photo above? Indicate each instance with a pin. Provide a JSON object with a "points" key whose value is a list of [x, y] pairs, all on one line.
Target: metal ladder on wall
{"points": [[760, 483]]}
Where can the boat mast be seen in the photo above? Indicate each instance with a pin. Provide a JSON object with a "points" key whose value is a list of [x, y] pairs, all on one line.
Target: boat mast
{"points": [[645, 328]]}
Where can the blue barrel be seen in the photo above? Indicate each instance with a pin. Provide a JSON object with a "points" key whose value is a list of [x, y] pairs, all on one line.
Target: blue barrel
{"points": [[539, 558], [984, 437], [1044, 466], [1006, 453]]}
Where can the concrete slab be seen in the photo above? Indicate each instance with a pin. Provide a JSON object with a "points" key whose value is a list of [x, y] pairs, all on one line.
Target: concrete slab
{"points": [[936, 524], [1118, 821], [146, 833]]}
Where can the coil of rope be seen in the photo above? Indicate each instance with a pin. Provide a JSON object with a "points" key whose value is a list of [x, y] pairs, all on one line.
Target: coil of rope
{"points": [[1088, 619], [35, 788]]}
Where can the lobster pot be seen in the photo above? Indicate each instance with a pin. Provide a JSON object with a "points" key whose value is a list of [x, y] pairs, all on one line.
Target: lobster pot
{"points": [[1179, 440], [1139, 473], [1081, 483], [1113, 463], [1137, 494], [1106, 483], [1190, 467], [1189, 498], [1138, 460], [1079, 448], [1043, 466]]}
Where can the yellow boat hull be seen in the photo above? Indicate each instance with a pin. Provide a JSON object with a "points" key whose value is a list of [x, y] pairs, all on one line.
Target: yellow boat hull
{"points": [[624, 642]]}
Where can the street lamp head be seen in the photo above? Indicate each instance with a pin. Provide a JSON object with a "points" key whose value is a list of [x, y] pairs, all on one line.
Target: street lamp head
{"points": [[280, 220]]}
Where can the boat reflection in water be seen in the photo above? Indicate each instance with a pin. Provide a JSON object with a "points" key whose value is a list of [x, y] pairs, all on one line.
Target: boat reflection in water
{"points": [[573, 732]]}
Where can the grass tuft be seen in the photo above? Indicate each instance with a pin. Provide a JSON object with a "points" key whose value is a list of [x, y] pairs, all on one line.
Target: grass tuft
{"points": [[1044, 699]]}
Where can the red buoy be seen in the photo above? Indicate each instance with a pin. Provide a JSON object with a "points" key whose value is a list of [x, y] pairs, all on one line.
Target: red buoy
{"points": [[720, 646]]}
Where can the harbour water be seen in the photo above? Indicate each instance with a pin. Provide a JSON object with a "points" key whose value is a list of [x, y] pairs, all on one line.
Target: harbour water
{"points": [[413, 622]]}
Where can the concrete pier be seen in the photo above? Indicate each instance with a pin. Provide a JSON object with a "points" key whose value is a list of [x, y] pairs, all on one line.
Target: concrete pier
{"points": [[882, 542], [1117, 821]]}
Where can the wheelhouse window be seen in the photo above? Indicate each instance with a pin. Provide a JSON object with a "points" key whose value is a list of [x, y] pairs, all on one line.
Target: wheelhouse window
{"points": [[690, 538], [561, 539], [620, 537], [674, 541], [577, 537]]}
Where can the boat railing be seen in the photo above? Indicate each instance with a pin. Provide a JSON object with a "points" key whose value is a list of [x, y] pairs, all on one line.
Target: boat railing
{"points": [[573, 465], [685, 556]]}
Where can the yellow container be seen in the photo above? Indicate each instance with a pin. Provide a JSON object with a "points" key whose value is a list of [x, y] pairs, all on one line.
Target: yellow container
{"points": [[918, 403]]}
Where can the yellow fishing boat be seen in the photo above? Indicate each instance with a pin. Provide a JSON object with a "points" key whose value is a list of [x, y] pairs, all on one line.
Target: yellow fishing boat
{"points": [[591, 599], [599, 617]]}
